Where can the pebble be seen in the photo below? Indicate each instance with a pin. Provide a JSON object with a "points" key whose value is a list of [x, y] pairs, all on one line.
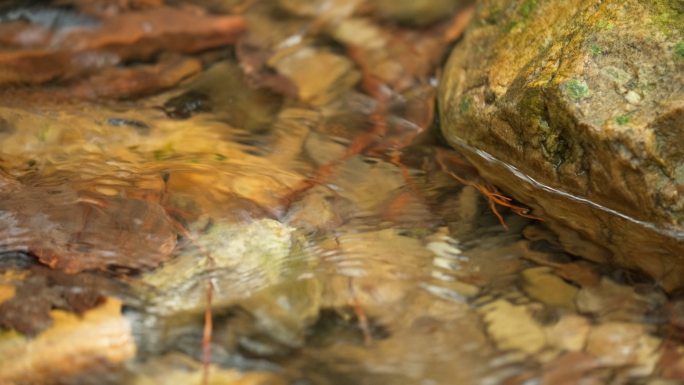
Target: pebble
{"points": [[632, 97], [624, 344], [512, 327], [569, 333]]}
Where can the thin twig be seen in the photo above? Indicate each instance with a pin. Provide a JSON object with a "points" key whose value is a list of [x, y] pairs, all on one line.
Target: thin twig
{"points": [[211, 265], [493, 196]]}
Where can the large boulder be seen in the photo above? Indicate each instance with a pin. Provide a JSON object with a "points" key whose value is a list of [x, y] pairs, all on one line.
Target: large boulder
{"points": [[576, 107]]}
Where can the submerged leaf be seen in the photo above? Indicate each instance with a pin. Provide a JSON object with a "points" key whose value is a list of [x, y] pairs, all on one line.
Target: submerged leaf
{"points": [[73, 232], [69, 52], [98, 339], [35, 296]]}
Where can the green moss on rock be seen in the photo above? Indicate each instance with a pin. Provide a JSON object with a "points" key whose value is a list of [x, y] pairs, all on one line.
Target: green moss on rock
{"points": [[527, 7], [679, 50], [465, 104], [667, 16], [622, 119], [595, 50], [576, 89]]}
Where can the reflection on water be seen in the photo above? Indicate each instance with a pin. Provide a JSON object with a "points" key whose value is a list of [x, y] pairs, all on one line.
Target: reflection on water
{"points": [[333, 256]]}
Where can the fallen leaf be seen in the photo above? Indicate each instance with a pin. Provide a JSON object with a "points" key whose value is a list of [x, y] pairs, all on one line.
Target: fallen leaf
{"points": [[73, 231], [70, 52], [133, 81], [99, 338], [42, 290]]}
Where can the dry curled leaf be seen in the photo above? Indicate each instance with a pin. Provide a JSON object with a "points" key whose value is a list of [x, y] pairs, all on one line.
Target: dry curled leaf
{"points": [[73, 231]]}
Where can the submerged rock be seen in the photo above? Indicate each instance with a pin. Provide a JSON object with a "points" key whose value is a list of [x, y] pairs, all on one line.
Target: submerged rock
{"points": [[577, 108], [418, 12], [513, 327], [621, 343], [261, 267]]}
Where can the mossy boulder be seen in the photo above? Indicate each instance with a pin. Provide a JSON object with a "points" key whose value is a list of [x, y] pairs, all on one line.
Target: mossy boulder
{"points": [[576, 108]]}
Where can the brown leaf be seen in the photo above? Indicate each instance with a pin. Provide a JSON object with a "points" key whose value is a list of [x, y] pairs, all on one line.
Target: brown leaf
{"points": [[69, 52], [135, 81], [75, 231], [28, 310], [99, 338]]}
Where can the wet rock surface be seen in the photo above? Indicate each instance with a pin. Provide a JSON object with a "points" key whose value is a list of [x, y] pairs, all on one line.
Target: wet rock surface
{"points": [[577, 108]]}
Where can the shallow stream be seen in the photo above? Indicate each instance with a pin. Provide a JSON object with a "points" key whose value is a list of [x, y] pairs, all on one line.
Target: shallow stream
{"points": [[332, 235]]}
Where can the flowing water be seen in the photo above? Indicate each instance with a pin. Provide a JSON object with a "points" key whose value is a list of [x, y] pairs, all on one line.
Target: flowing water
{"points": [[325, 263]]}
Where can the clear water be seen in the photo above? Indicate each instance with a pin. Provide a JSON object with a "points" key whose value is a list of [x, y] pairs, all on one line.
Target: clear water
{"points": [[329, 264]]}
